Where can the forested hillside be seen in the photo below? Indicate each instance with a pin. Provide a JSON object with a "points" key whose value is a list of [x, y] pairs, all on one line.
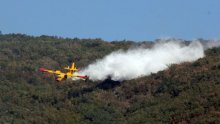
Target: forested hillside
{"points": [[185, 93]]}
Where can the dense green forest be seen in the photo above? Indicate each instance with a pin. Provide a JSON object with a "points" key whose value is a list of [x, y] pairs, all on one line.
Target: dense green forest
{"points": [[185, 93]]}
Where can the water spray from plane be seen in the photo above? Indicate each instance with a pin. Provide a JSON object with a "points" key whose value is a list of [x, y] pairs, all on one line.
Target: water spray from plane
{"points": [[139, 62]]}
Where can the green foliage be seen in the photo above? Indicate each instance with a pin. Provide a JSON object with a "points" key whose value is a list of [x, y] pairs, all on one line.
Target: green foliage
{"points": [[185, 93]]}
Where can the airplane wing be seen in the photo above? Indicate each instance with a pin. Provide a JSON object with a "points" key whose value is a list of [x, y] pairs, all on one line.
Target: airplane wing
{"points": [[50, 71], [83, 77], [59, 75]]}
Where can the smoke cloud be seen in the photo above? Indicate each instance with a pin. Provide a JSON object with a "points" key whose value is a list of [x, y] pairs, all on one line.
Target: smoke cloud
{"points": [[211, 44], [134, 63]]}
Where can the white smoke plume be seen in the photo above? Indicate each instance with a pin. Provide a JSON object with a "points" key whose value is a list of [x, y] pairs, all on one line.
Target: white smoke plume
{"points": [[211, 44], [133, 63]]}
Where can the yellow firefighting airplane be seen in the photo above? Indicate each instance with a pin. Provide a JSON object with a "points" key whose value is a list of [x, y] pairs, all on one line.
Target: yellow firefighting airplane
{"points": [[72, 73]]}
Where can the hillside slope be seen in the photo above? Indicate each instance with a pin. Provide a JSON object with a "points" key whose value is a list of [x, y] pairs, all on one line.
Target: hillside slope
{"points": [[186, 93]]}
